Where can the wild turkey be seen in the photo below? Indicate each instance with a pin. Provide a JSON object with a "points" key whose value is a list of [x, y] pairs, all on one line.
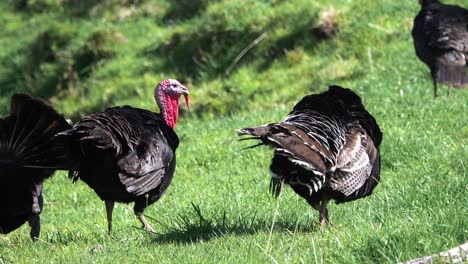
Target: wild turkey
{"points": [[127, 154], [440, 35], [327, 148], [25, 142]]}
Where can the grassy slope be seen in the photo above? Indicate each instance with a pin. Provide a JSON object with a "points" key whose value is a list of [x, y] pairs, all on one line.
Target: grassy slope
{"points": [[418, 208]]}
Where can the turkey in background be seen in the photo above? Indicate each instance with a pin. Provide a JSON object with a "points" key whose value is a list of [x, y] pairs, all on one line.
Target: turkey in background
{"points": [[440, 35]]}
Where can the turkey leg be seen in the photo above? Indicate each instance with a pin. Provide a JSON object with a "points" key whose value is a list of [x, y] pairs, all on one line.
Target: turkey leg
{"points": [[109, 209]]}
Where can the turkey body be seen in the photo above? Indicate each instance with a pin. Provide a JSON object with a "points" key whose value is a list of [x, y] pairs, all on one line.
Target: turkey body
{"points": [[440, 35], [124, 154], [327, 148], [27, 158]]}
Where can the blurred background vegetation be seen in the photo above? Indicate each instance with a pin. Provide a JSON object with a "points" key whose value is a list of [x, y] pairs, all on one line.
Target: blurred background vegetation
{"points": [[86, 55]]}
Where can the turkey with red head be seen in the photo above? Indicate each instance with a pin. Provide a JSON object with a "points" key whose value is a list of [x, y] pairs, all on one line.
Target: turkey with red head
{"points": [[27, 158], [440, 35], [327, 148], [126, 154]]}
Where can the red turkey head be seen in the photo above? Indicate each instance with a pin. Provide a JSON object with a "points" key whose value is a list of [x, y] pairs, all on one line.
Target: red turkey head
{"points": [[167, 96]]}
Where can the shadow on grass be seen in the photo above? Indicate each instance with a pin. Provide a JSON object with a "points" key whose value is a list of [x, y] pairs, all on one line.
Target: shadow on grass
{"points": [[182, 10], [46, 67], [193, 230], [71, 8], [208, 51]]}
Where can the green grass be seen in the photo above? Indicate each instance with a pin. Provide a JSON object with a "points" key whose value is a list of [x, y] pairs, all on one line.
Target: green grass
{"points": [[218, 209]]}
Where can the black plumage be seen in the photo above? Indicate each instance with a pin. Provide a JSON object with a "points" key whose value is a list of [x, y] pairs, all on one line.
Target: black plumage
{"points": [[440, 35], [327, 148], [127, 154], [27, 158]]}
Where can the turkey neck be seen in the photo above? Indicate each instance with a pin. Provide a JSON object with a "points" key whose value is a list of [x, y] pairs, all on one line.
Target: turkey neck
{"points": [[169, 107]]}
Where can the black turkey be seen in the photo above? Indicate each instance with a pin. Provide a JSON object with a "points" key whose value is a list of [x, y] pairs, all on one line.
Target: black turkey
{"points": [[440, 35], [25, 160], [127, 154], [327, 148]]}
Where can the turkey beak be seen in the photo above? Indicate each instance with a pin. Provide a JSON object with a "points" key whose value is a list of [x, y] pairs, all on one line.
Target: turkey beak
{"points": [[186, 94]]}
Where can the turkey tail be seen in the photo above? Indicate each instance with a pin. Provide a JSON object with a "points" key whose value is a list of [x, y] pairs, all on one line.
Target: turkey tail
{"points": [[453, 75], [267, 134], [258, 133], [292, 143], [25, 134]]}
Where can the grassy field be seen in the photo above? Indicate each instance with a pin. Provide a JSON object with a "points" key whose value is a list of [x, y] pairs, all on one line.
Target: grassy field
{"points": [[85, 57]]}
